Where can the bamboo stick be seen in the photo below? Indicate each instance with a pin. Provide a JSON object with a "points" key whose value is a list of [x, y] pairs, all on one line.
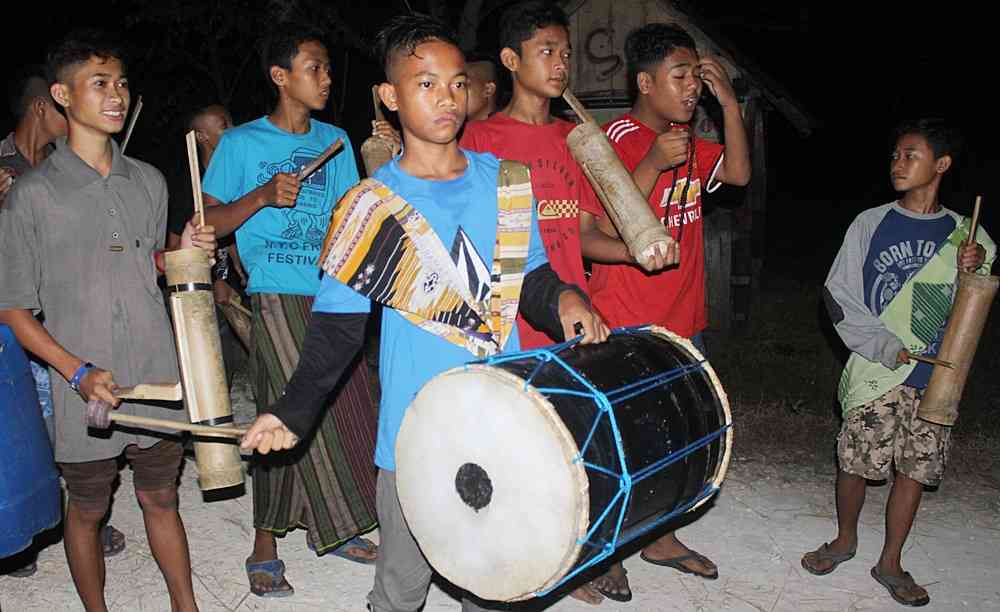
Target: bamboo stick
{"points": [[206, 430], [195, 168], [975, 221], [933, 361], [131, 123], [577, 107]]}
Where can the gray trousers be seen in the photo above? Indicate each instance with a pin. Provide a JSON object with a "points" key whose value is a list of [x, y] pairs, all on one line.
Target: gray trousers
{"points": [[402, 574]]}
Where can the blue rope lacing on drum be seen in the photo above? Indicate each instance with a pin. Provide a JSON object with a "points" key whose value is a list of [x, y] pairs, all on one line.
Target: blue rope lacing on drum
{"points": [[604, 402]]}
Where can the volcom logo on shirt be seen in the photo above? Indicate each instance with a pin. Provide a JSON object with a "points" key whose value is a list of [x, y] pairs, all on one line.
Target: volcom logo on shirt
{"points": [[308, 219]]}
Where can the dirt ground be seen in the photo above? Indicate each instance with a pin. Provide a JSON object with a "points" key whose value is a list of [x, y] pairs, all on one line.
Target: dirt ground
{"points": [[776, 504]]}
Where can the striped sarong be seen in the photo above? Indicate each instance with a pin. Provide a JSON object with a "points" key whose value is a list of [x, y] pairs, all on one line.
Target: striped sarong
{"points": [[326, 483]]}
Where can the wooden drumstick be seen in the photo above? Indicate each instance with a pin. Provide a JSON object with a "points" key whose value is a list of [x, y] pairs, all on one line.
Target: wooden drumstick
{"points": [[195, 168], [100, 415], [319, 161], [204, 430], [933, 361]]}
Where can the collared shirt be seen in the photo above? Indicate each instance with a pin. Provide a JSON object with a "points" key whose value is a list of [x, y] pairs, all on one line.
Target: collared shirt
{"points": [[11, 158], [80, 247]]}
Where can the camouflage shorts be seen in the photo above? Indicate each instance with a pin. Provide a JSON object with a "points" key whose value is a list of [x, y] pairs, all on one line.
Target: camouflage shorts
{"points": [[887, 430]]}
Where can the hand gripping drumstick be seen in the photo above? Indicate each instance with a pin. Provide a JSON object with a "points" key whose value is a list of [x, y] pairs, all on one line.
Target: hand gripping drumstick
{"points": [[100, 415], [319, 161]]}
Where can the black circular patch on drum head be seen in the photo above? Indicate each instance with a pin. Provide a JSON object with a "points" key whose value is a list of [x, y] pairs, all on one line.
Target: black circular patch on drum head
{"points": [[474, 486]]}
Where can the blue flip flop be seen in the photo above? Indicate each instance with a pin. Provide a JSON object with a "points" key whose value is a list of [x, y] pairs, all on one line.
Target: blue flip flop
{"points": [[341, 551], [274, 569]]}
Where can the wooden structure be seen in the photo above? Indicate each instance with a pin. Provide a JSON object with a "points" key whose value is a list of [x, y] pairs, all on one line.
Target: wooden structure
{"points": [[734, 236]]}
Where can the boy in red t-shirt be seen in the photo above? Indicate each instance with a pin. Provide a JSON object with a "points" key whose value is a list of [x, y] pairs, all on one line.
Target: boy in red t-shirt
{"points": [[534, 38], [672, 169]]}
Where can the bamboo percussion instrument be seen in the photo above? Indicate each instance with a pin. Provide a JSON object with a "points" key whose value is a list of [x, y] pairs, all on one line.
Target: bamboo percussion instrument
{"points": [[961, 338], [199, 352], [375, 152], [131, 123], [638, 227], [314, 165], [100, 414]]}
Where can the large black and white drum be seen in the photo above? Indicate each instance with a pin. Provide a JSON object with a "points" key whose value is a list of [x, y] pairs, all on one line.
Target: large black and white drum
{"points": [[517, 473]]}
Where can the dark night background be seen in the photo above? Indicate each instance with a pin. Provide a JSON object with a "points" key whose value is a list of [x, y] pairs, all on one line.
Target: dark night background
{"points": [[858, 68]]}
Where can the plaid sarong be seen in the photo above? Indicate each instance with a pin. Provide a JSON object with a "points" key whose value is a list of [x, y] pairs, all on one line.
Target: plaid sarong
{"points": [[326, 483]]}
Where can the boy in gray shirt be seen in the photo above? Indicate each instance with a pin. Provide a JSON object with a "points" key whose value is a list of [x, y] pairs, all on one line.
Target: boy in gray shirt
{"points": [[79, 239]]}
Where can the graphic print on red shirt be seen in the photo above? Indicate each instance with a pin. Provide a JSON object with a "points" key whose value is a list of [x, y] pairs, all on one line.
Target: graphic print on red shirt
{"points": [[625, 295], [558, 184]]}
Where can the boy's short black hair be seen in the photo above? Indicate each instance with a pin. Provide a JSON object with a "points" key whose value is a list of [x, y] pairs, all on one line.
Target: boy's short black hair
{"points": [[404, 33], [29, 83], [942, 137], [649, 45], [282, 45], [77, 48], [520, 22], [482, 57]]}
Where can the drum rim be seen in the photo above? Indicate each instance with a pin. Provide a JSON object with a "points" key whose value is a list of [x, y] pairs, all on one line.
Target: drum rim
{"points": [[565, 438], [723, 466]]}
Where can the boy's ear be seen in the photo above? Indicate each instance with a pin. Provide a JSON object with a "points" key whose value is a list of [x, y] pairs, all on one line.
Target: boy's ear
{"points": [[387, 93], [643, 82], [942, 164], [278, 76], [200, 136], [510, 59], [38, 107], [60, 93], [490, 90]]}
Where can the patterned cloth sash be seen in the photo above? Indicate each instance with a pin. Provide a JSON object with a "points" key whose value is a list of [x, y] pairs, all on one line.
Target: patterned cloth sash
{"points": [[914, 315], [381, 247]]}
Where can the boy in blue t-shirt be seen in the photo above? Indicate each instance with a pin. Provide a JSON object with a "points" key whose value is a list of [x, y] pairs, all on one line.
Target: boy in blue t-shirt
{"points": [[455, 191], [251, 187], [889, 295]]}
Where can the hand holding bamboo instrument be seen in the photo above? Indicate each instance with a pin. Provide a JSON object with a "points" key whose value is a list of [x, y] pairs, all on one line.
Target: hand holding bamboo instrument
{"points": [[638, 227]]}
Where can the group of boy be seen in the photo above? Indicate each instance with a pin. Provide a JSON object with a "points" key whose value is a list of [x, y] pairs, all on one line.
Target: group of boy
{"points": [[77, 216]]}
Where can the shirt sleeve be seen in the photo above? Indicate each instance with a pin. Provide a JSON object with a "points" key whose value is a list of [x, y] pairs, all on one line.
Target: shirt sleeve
{"points": [[20, 271], [470, 139], [223, 178], [843, 292], [708, 156]]}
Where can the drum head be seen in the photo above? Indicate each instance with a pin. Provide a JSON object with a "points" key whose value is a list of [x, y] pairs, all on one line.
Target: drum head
{"points": [[487, 483]]}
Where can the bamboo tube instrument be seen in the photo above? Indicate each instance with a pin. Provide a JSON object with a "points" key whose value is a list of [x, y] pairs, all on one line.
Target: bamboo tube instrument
{"points": [[199, 349], [638, 227], [375, 152], [973, 300]]}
